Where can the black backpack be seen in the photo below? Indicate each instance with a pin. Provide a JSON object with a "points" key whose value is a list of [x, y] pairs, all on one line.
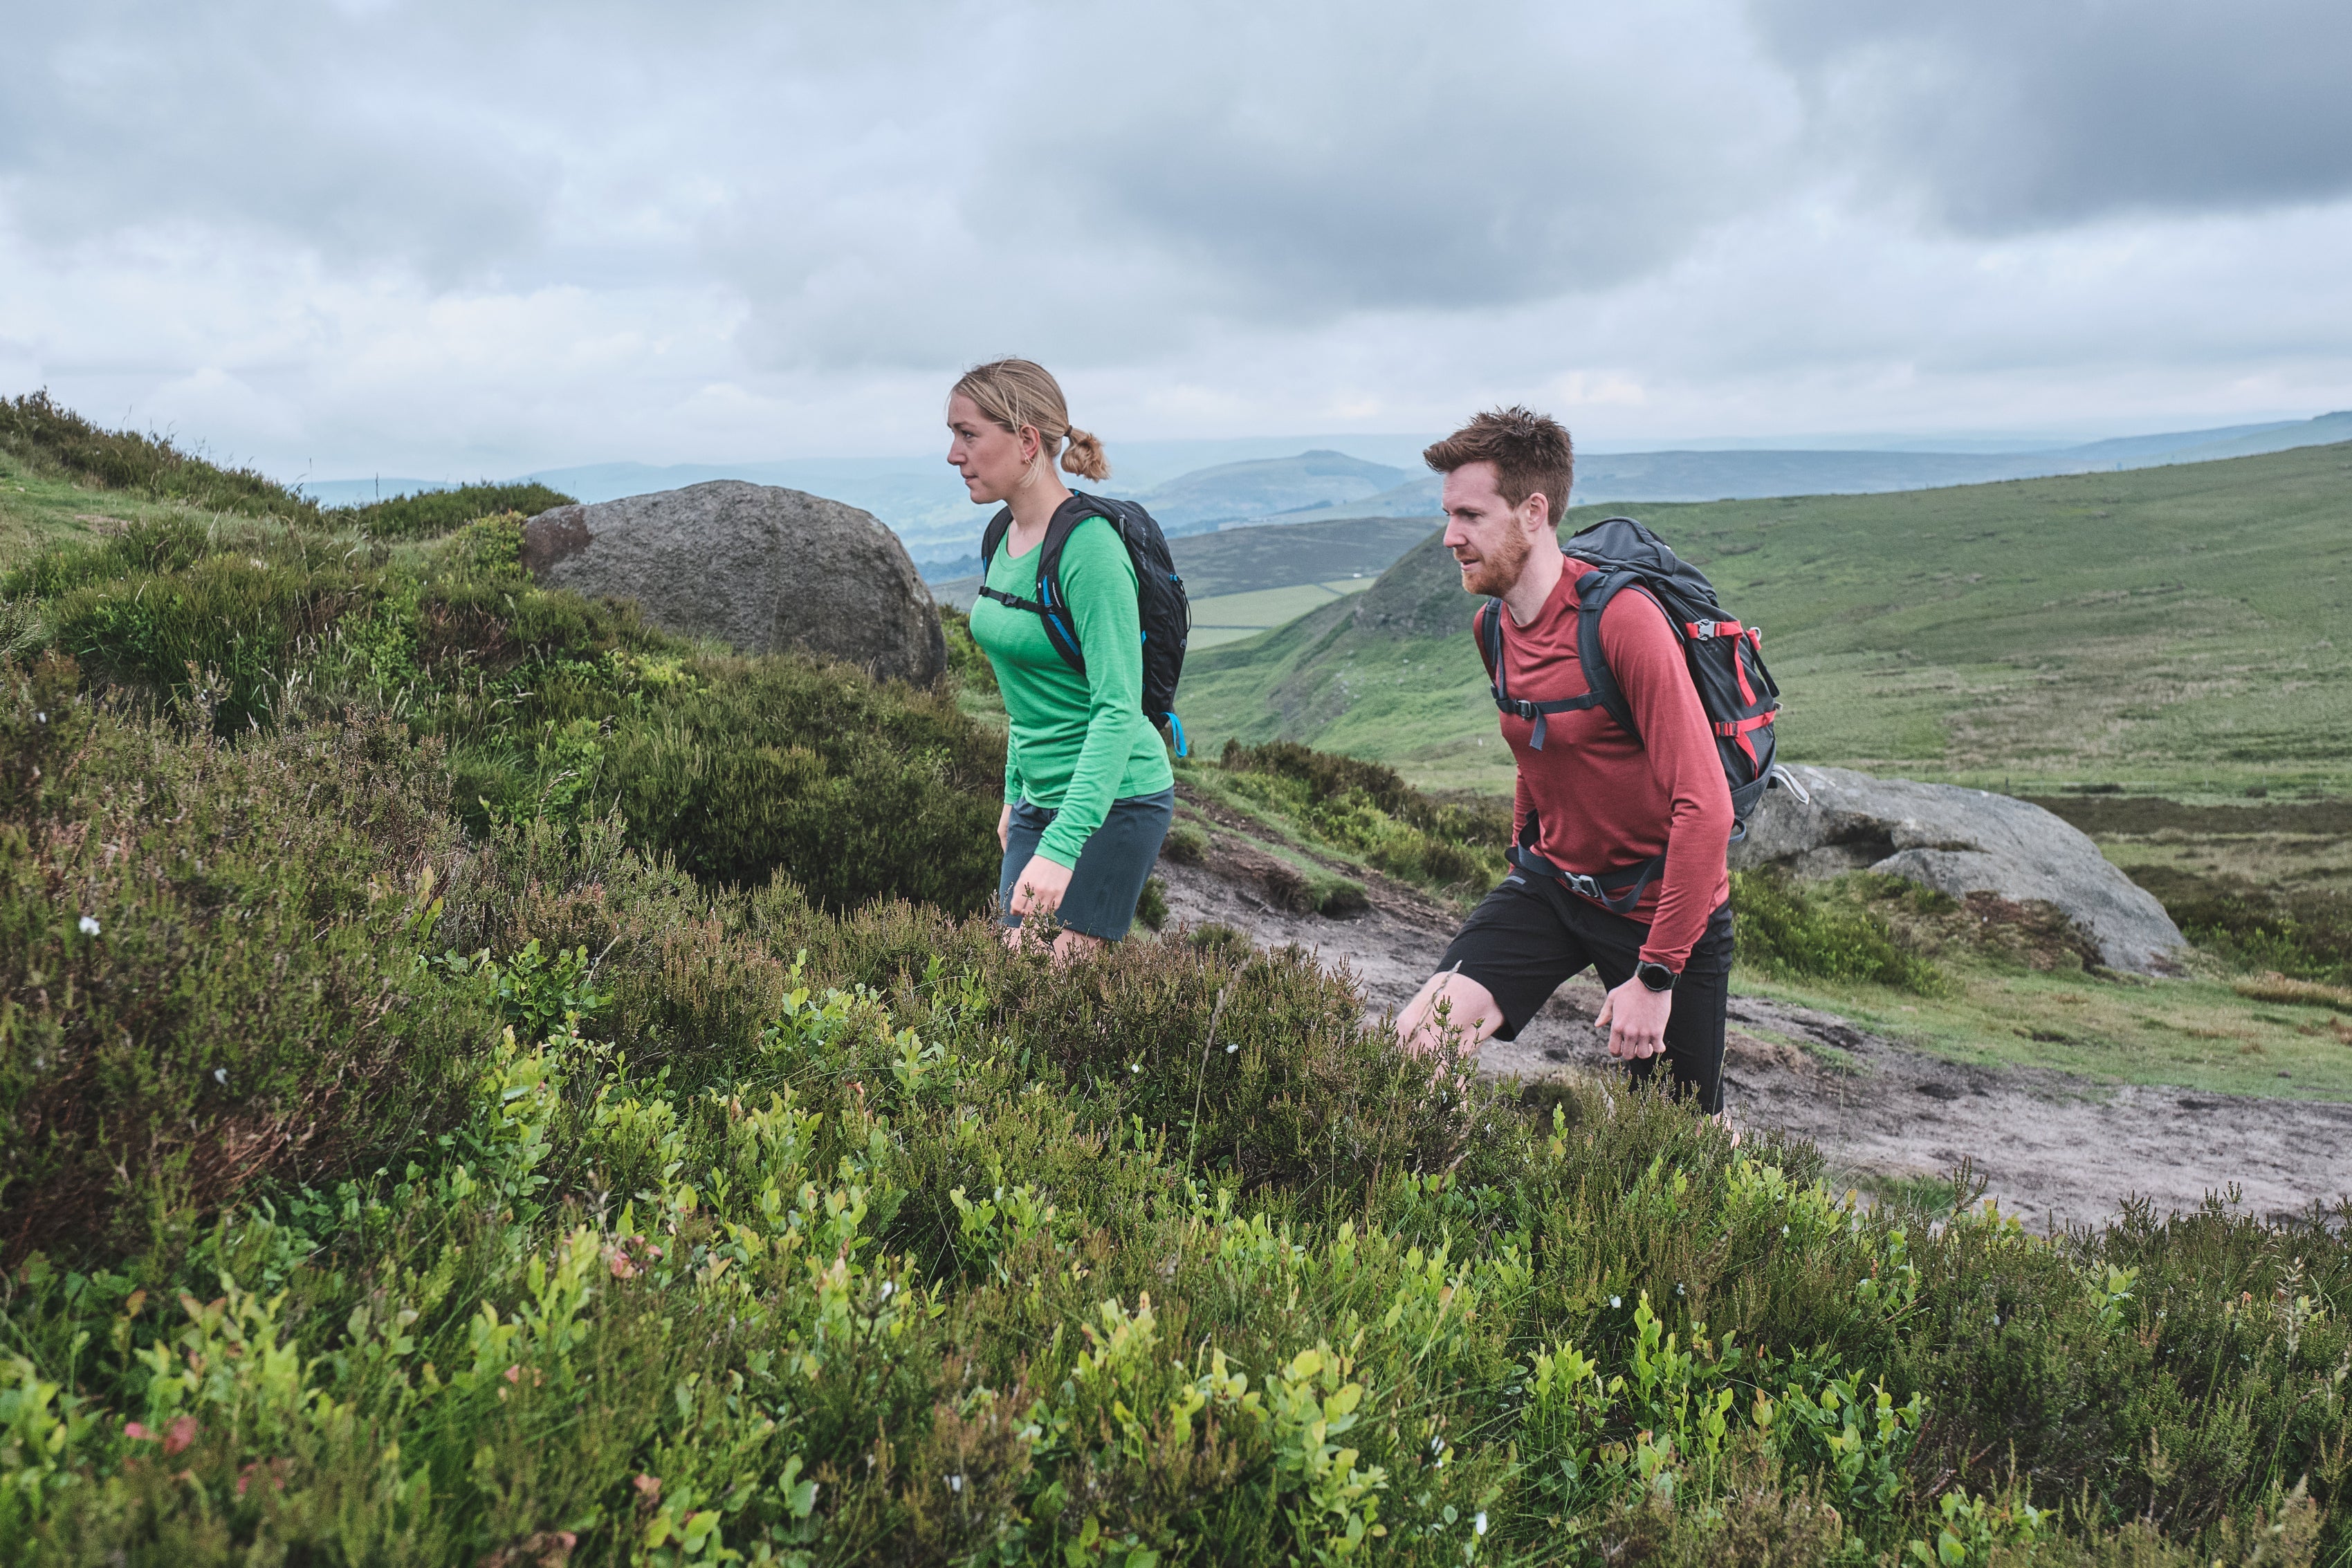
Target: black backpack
{"points": [[1726, 666], [1160, 602]]}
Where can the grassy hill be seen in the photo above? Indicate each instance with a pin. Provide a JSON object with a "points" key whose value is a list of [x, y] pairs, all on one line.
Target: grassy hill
{"points": [[2172, 626]]}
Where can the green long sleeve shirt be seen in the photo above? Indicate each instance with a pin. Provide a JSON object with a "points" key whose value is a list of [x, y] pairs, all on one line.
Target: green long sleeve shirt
{"points": [[1078, 742]]}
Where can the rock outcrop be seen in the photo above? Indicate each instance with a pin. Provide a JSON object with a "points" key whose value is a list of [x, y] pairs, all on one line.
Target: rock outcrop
{"points": [[1959, 842], [756, 566]]}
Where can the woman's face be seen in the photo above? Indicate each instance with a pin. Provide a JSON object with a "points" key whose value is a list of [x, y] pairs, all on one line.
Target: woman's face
{"points": [[991, 459]]}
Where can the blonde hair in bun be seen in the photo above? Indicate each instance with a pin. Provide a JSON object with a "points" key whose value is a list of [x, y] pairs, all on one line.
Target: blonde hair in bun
{"points": [[1017, 392]]}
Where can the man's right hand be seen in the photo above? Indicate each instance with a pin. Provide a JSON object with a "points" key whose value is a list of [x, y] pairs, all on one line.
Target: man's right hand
{"points": [[1005, 827]]}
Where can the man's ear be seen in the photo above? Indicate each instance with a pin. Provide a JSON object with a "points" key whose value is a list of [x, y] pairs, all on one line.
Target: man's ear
{"points": [[1535, 513]]}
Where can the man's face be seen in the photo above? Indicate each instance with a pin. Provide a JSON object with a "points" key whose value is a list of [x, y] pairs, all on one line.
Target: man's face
{"points": [[1491, 539]]}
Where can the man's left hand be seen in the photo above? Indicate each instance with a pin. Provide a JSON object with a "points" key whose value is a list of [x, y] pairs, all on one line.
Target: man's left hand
{"points": [[1635, 1018]]}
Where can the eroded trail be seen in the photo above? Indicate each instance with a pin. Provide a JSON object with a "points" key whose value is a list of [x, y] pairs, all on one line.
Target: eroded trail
{"points": [[2054, 1148]]}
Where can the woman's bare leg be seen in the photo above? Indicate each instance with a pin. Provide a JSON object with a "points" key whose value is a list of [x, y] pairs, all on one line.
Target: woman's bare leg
{"points": [[1071, 945]]}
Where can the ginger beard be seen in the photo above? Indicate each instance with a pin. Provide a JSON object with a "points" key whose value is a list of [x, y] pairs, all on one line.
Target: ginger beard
{"points": [[1495, 570]]}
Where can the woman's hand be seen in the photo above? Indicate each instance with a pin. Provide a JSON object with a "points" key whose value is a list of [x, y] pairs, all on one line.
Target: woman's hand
{"points": [[1004, 828], [1039, 888]]}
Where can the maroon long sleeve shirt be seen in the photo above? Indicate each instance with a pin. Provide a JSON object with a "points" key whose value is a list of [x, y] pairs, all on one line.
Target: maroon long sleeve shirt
{"points": [[1605, 800]]}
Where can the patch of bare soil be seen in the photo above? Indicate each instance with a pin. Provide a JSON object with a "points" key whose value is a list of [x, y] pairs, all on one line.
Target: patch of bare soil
{"points": [[2055, 1149]]}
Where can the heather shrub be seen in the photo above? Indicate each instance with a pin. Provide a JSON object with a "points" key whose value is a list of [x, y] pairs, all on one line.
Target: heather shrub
{"points": [[549, 706], [1790, 930], [209, 955]]}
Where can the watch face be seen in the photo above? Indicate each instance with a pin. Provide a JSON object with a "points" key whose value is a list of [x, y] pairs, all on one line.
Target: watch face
{"points": [[1657, 977]]}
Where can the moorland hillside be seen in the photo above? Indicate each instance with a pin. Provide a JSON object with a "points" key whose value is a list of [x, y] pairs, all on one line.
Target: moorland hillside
{"points": [[2168, 626], [483, 1082]]}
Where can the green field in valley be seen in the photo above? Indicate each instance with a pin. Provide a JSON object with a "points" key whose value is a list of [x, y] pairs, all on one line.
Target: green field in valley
{"points": [[2171, 628], [1230, 617]]}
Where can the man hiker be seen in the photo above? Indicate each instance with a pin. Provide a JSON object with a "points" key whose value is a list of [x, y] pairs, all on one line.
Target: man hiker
{"points": [[1619, 837]]}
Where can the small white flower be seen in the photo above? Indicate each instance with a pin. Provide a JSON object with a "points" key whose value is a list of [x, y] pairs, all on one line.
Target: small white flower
{"points": [[89, 925], [40, 719], [955, 1483], [889, 1286], [1230, 1049], [1135, 1067], [220, 1075], [1437, 1445], [1616, 1301], [1480, 1522], [1678, 1290], [1784, 1230]]}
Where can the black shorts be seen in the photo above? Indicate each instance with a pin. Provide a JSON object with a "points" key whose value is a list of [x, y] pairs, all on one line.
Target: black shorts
{"points": [[1531, 935], [1111, 870]]}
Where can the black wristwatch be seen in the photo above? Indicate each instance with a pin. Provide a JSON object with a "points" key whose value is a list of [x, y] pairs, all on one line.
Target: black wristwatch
{"points": [[1656, 977]]}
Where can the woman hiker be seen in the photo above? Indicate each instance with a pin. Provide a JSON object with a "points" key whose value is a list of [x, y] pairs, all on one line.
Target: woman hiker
{"points": [[1088, 789]]}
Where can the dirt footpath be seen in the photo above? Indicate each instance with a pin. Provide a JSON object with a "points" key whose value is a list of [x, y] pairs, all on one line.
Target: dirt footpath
{"points": [[2055, 1149]]}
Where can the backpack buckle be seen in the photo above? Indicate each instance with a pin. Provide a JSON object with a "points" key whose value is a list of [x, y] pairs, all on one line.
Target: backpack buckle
{"points": [[1582, 885], [1702, 630]]}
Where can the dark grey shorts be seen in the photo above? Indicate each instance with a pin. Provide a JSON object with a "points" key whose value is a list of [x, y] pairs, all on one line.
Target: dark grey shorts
{"points": [[1531, 935], [1111, 870]]}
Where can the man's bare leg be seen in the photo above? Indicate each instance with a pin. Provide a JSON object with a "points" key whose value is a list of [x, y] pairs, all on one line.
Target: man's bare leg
{"points": [[1448, 1006]]}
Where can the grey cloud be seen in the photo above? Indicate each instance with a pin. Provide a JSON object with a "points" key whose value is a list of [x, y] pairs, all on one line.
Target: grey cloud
{"points": [[1324, 158], [369, 137], [2010, 115], [1125, 183]]}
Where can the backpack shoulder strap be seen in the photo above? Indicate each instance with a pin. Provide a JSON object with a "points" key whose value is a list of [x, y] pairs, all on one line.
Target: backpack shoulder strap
{"points": [[992, 536], [1061, 629], [1053, 604], [1488, 625], [1593, 592]]}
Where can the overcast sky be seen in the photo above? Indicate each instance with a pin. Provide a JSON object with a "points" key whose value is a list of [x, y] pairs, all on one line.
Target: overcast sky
{"points": [[459, 237]]}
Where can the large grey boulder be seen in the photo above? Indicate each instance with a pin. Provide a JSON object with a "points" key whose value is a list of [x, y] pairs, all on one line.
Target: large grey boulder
{"points": [[1959, 842], [757, 566]]}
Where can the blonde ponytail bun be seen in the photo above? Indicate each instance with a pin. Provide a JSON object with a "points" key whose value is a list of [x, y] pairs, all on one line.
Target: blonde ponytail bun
{"points": [[1021, 395], [1085, 457]]}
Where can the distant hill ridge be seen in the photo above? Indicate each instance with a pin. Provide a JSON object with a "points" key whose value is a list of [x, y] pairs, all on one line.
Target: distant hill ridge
{"points": [[919, 499], [2162, 623], [1699, 476]]}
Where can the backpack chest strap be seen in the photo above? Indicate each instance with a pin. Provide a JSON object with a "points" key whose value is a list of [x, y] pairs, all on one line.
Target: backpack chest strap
{"points": [[1537, 712], [1013, 601], [1490, 641]]}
